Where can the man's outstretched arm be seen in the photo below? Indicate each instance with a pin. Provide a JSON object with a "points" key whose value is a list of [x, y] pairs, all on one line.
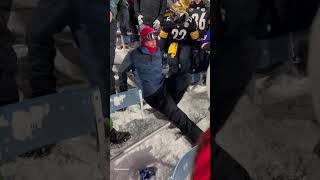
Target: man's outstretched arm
{"points": [[125, 67]]}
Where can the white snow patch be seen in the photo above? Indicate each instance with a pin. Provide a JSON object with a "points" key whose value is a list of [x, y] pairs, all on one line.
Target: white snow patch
{"points": [[24, 122], [118, 100]]}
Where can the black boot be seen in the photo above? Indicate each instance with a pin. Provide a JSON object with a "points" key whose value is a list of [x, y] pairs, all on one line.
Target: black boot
{"points": [[38, 153], [118, 137]]}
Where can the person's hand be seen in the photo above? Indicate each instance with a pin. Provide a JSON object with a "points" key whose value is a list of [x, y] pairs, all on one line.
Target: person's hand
{"points": [[140, 19], [156, 24], [206, 47]]}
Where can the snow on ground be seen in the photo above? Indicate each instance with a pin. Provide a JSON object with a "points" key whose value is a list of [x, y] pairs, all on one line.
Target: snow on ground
{"points": [[77, 158], [275, 139], [72, 159], [164, 149]]}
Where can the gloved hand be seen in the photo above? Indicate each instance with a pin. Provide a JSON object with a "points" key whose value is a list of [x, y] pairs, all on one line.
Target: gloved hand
{"points": [[156, 24], [206, 47], [140, 19]]}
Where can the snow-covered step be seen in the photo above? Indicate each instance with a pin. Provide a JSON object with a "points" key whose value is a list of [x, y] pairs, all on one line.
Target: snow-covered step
{"points": [[142, 128], [195, 103], [161, 149]]}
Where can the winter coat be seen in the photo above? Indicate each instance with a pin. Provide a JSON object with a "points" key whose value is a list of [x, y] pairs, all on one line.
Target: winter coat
{"points": [[123, 14], [147, 70], [150, 10]]}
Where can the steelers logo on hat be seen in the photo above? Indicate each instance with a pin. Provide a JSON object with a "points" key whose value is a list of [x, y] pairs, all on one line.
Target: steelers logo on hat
{"points": [[203, 9]]}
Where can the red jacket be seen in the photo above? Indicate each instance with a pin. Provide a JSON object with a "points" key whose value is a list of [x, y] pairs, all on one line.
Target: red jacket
{"points": [[201, 167]]}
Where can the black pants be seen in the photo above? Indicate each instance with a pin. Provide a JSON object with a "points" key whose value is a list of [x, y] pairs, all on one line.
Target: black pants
{"points": [[181, 63], [113, 39], [225, 167], [200, 60], [89, 25], [133, 22], [232, 69], [166, 99], [8, 66]]}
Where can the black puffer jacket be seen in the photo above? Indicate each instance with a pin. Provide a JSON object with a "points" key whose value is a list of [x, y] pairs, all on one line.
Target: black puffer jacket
{"points": [[150, 10]]}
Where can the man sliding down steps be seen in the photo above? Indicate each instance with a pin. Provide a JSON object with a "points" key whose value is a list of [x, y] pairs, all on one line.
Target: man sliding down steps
{"points": [[158, 91]]}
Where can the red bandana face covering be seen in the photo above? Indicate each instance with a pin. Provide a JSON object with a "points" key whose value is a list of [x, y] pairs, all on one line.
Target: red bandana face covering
{"points": [[150, 49]]}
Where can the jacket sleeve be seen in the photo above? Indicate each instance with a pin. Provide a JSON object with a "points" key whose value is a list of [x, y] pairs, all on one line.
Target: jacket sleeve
{"points": [[125, 67], [194, 33], [162, 10], [136, 7], [162, 43], [164, 33]]}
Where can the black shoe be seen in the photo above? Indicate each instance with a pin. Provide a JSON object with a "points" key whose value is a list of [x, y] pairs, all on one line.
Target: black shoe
{"points": [[118, 137], [38, 153], [123, 109], [316, 149], [172, 126]]}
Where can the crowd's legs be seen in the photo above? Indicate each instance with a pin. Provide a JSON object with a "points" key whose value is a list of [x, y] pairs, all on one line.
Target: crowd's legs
{"points": [[8, 66], [181, 63], [113, 39]]}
